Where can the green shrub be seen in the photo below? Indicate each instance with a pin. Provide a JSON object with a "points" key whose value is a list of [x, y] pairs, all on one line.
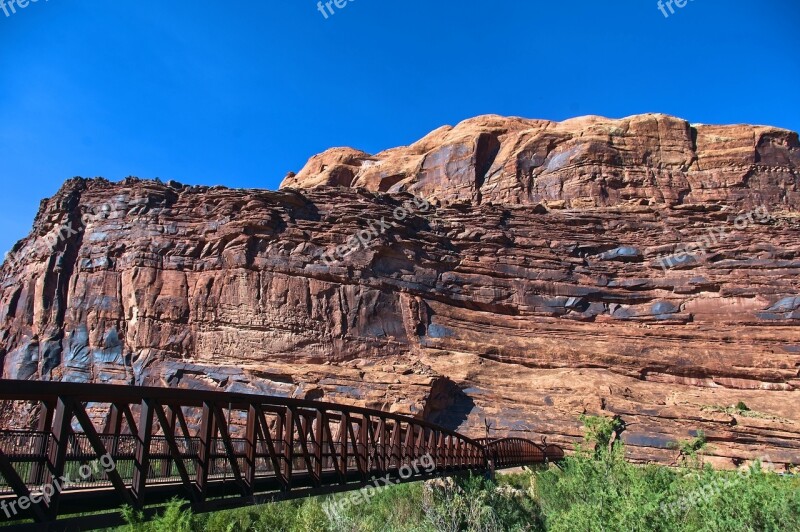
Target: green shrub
{"points": [[596, 489], [390, 509], [690, 451], [310, 517], [174, 518], [474, 503], [287, 516], [599, 430], [602, 491]]}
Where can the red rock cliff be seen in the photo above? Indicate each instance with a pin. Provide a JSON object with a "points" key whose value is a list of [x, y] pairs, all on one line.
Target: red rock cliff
{"points": [[642, 267]]}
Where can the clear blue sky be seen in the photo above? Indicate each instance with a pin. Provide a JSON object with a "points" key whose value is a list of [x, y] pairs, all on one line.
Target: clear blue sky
{"points": [[240, 92]]}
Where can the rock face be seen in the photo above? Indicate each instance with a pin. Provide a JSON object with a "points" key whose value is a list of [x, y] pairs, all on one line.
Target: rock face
{"points": [[643, 267], [582, 163]]}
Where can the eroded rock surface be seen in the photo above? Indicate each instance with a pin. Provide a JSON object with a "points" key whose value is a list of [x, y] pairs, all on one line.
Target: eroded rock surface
{"points": [[580, 163], [548, 278]]}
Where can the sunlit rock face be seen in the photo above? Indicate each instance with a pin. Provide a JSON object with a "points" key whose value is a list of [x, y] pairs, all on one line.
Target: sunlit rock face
{"points": [[580, 163], [504, 271]]}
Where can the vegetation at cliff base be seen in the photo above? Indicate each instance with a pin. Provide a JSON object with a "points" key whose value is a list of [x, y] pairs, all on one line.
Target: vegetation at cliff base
{"points": [[593, 490]]}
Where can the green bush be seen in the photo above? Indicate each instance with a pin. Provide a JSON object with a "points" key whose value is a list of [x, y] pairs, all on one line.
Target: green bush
{"points": [[601, 491], [593, 490], [390, 509], [287, 516], [174, 518]]}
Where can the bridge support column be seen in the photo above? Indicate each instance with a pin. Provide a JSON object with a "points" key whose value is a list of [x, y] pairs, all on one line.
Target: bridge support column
{"points": [[250, 448], [207, 433], [141, 465], [287, 439], [40, 447], [57, 454], [319, 438]]}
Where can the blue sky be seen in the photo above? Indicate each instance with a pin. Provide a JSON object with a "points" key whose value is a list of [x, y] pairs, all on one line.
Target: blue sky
{"points": [[238, 93]]}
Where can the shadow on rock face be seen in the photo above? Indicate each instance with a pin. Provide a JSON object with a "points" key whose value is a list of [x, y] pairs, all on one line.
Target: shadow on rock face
{"points": [[447, 405]]}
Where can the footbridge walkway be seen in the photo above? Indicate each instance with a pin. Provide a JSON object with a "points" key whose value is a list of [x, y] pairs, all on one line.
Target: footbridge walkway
{"points": [[95, 448]]}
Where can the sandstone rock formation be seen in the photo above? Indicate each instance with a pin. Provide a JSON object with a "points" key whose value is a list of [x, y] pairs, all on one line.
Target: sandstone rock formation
{"points": [[581, 163], [549, 277]]}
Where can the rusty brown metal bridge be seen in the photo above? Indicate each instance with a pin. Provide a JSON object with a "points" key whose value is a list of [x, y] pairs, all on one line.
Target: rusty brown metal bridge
{"points": [[95, 448]]}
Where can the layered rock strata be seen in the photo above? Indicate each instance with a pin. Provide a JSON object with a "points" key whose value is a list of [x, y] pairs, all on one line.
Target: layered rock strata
{"points": [[645, 268]]}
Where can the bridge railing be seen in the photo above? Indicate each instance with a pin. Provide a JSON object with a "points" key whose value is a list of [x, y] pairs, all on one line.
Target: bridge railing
{"points": [[214, 449], [504, 453], [97, 447]]}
